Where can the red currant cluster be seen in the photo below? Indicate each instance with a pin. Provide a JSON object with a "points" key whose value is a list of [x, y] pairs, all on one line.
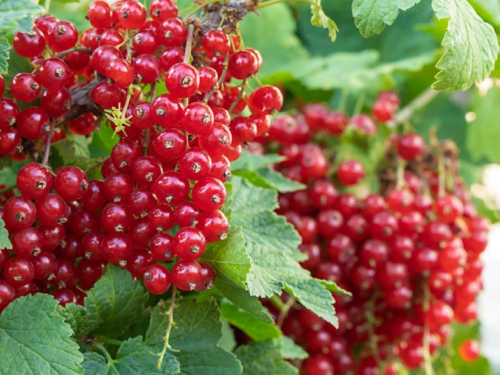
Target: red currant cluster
{"points": [[163, 185], [409, 253]]}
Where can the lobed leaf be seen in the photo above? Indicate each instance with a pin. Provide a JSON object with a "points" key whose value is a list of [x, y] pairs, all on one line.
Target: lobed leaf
{"points": [[470, 46], [74, 149], [14, 11], [4, 237], [264, 358], [35, 339], [320, 19], [4, 55], [290, 350]]}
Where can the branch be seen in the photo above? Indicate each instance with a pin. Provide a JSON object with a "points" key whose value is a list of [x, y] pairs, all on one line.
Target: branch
{"points": [[407, 112], [171, 323]]}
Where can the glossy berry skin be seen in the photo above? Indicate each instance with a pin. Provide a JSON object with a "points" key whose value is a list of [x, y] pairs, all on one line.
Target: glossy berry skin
{"points": [[172, 33], [157, 279], [143, 115], [448, 208], [208, 277], [26, 243], [102, 56], [145, 42], [317, 365], [83, 125], [132, 15], [266, 100], [208, 79], [108, 96], [198, 119], [61, 36], [469, 350], [218, 142], [64, 296], [161, 246], [44, 264], [215, 43], [214, 225], [146, 69], [189, 243], [8, 113], [53, 74], [195, 164], [19, 212], [410, 146], [116, 217], [146, 170], [120, 73], [221, 168], [161, 218], [168, 110], [171, 56], [383, 226], [29, 44], [243, 64], [124, 154], [33, 123], [350, 172], [34, 181], [51, 210], [7, 294], [170, 144], [24, 87], [18, 272], [182, 80], [138, 262], [70, 183], [56, 102], [172, 188], [160, 10], [99, 14], [187, 275], [116, 248], [209, 194], [186, 214], [95, 197]]}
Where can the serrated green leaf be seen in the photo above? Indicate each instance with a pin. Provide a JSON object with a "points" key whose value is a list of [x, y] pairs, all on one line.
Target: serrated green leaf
{"points": [[81, 322], [254, 161], [256, 329], [470, 46], [132, 358], [4, 237], [229, 257], [227, 341], [25, 25], [320, 19], [290, 350], [264, 358], [333, 287], [17, 64], [13, 11], [116, 300], [269, 179], [74, 149], [196, 335], [4, 55], [272, 243], [35, 339], [371, 16]]}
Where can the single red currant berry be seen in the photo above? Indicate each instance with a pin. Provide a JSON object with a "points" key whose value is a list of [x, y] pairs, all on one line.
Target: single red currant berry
{"points": [[24, 87], [56, 102], [215, 43], [33, 122], [26, 243], [102, 56], [221, 168], [99, 14], [8, 113], [146, 68], [207, 277], [18, 272], [51, 236], [61, 36], [120, 73], [214, 225], [157, 279], [410, 146], [161, 246], [182, 80], [266, 100], [53, 74], [189, 243], [171, 56], [138, 262], [364, 123], [44, 265], [208, 79], [124, 154], [91, 245], [108, 96], [168, 110], [317, 365], [70, 183], [34, 181], [384, 226], [209, 194], [198, 119], [469, 350], [400, 201], [350, 172], [383, 111], [30, 44], [171, 187], [218, 142], [64, 296], [19, 212], [173, 32], [132, 15], [160, 10], [141, 201], [51, 210], [243, 64], [195, 164], [146, 170], [448, 208], [161, 218], [116, 248], [187, 275], [116, 217], [186, 214]]}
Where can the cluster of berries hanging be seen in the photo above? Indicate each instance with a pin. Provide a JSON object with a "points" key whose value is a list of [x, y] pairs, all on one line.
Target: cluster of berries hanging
{"points": [[162, 190], [410, 253]]}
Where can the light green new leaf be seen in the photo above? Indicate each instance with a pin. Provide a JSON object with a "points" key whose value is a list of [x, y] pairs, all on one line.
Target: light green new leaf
{"points": [[290, 350], [253, 327], [269, 179], [264, 358], [4, 237], [132, 358], [333, 287], [254, 161], [272, 245], [371, 16], [116, 300], [470, 46], [196, 334], [320, 19], [13, 11], [35, 339], [4, 55]]}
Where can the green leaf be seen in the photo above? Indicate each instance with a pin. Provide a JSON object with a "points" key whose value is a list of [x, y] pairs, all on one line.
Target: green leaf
{"points": [[4, 237], [13, 11], [254, 161], [196, 335], [371, 16], [320, 19], [483, 132], [103, 141], [4, 55], [264, 358], [229, 257], [470, 46], [333, 287], [132, 358], [290, 350], [116, 300], [17, 64], [272, 243], [35, 339], [256, 329], [74, 149], [81, 322], [269, 179], [227, 341], [5, 162]]}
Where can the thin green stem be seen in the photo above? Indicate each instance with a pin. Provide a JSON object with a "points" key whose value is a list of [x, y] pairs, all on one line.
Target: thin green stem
{"points": [[47, 5], [441, 174], [359, 103], [222, 20], [407, 111], [109, 341], [400, 179], [7, 189], [370, 320], [105, 352], [166, 345], [343, 100], [284, 311], [277, 302], [242, 91]]}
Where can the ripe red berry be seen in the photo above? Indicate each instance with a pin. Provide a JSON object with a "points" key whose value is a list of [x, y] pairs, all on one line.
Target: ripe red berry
{"points": [[120, 73], [172, 188], [410, 146], [24, 87], [469, 350], [157, 279], [30, 44], [53, 74], [215, 43], [187, 275], [243, 64], [350, 172], [18, 272], [182, 80], [172, 33], [160, 10], [99, 14], [209, 194], [70, 183], [198, 119], [189, 243], [19, 212], [132, 15], [116, 248], [34, 181], [33, 122]]}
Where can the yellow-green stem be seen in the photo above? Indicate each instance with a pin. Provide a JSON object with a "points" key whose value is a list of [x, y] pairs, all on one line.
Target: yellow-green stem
{"points": [[166, 345]]}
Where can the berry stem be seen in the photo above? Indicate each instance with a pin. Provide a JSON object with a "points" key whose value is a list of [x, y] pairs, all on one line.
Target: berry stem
{"points": [[103, 350], [370, 320], [189, 44], [60, 55], [420, 101], [45, 160], [277, 302], [426, 353], [359, 103], [7, 189], [171, 323], [97, 164], [220, 81], [441, 175], [127, 43], [47, 6], [400, 179], [284, 311], [145, 141], [240, 95]]}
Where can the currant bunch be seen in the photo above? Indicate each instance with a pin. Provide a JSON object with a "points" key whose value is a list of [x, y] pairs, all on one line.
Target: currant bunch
{"points": [[160, 199], [409, 253]]}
